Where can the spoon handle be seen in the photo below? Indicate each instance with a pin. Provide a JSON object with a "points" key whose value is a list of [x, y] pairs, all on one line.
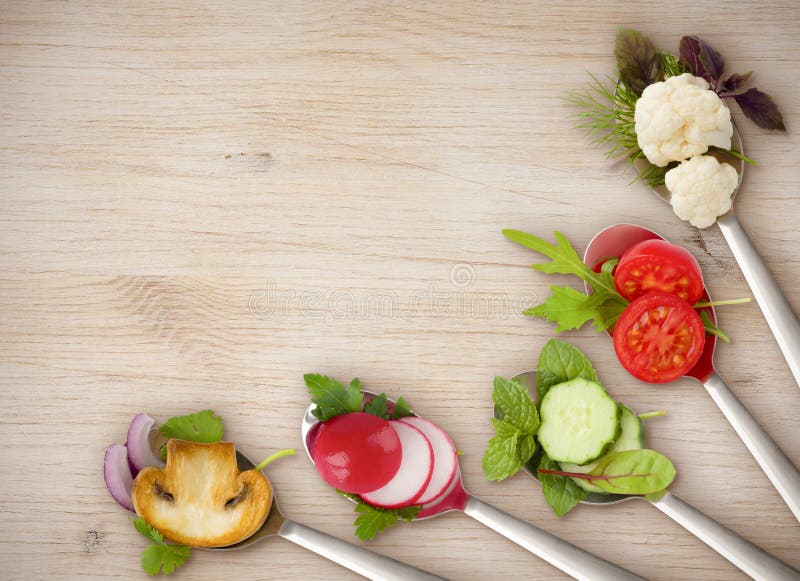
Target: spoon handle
{"points": [[751, 559], [358, 559], [567, 557], [778, 468], [782, 320]]}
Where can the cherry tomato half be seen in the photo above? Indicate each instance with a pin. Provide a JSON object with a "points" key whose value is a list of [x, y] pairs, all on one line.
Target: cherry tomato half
{"points": [[659, 337], [658, 265]]}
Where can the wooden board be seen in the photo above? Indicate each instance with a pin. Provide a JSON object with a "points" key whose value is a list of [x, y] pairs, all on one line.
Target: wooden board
{"points": [[202, 201]]}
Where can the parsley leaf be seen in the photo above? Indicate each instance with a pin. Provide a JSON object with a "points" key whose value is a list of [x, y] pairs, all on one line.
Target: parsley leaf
{"points": [[559, 362], [515, 425], [567, 307], [371, 520], [159, 557], [378, 406], [401, 409], [202, 427], [560, 492], [333, 398]]}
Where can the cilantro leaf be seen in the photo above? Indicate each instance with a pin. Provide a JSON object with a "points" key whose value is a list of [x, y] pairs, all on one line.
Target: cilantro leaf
{"points": [[202, 426], [401, 410], [516, 406], [560, 492], [560, 361], [160, 556], [333, 398], [372, 520], [378, 406]]}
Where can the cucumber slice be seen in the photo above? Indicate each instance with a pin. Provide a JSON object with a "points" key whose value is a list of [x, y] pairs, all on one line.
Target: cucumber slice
{"points": [[579, 421], [632, 437]]}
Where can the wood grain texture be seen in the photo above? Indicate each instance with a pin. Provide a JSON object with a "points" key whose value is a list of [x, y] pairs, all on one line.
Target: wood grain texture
{"points": [[202, 201]]}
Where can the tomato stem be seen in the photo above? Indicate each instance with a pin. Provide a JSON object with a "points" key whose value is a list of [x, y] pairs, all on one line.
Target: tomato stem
{"points": [[649, 415], [275, 456], [722, 303]]}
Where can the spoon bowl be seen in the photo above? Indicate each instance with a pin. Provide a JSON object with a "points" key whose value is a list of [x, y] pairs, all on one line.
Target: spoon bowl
{"points": [[750, 558], [571, 559]]}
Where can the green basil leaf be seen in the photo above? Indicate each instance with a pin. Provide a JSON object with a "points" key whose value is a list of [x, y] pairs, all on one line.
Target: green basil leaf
{"points": [[560, 492]]}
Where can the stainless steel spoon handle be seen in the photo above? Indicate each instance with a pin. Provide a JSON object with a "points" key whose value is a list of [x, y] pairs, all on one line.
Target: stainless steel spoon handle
{"points": [[778, 468], [358, 559], [782, 320], [567, 557], [751, 559]]}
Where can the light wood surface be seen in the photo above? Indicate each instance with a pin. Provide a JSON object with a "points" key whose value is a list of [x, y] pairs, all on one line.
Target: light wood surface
{"points": [[202, 201]]}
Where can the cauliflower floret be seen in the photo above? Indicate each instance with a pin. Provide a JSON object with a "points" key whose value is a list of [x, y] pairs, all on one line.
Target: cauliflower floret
{"points": [[680, 118], [701, 189]]}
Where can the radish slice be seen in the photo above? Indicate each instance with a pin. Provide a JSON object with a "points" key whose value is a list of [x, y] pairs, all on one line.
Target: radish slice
{"points": [[140, 454], [445, 461], [414, 474], [118, 475]]}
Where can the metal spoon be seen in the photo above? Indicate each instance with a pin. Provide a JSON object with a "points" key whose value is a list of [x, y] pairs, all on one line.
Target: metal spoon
{"points": [[614, 241], [748, 557], [782, 320], [353, 557], [572, 560]]}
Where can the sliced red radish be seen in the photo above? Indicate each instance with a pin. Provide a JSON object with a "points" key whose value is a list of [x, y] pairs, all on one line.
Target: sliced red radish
{"points": [[140, 453], [414, 473], [117, 474], [445, 461], [357, 452]]}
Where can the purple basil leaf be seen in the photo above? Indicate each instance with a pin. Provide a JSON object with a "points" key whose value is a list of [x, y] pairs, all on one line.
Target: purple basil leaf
{"points": [[702, 59], [735, 81], [638, 60], [760, 109]]}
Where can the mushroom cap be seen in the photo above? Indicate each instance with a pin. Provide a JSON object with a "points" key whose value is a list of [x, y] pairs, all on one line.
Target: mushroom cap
{"points": [[201, 498]]}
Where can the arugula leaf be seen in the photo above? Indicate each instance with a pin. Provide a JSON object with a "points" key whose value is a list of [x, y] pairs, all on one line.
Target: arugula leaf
{"points": [[514, 443], [559, 362], [378, 406], [372, 520], [202, 426], [560, 492], [401, 409], [567, 306], [333, 398], [159, 557], [638, 60]]}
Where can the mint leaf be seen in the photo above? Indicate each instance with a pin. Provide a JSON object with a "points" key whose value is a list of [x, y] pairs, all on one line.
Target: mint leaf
{"points": [[560, 492], [638, 60], [372, 520], [159, 557], [202, 427], [502, 458], [401, 409], [378, 406], [560, 361], [331, 397], [515, 405], [505, 430]]}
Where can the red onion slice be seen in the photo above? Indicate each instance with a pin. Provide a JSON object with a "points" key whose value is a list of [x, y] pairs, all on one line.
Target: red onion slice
{"points": [[140, 454], [118, 475]]}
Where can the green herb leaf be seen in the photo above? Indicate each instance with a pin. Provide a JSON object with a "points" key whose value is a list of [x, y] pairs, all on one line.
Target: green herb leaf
{"points": [[331, 397], [760, 109], [638, 60], [401, 409], [634, 472], [515, 405], [378, 406], [571, 309], [560, 492], [502, 457], [159, 557], [559, 362], [202, 427], [504, 429], [372, 520], [711, 327]]}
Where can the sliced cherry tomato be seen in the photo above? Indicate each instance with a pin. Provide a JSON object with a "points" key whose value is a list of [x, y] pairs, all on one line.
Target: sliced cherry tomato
{"points": [[658, 265], [659, 337]]}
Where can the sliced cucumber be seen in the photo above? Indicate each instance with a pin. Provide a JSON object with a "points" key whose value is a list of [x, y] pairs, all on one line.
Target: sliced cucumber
{"points": [[579, 421], [632, 437]]}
